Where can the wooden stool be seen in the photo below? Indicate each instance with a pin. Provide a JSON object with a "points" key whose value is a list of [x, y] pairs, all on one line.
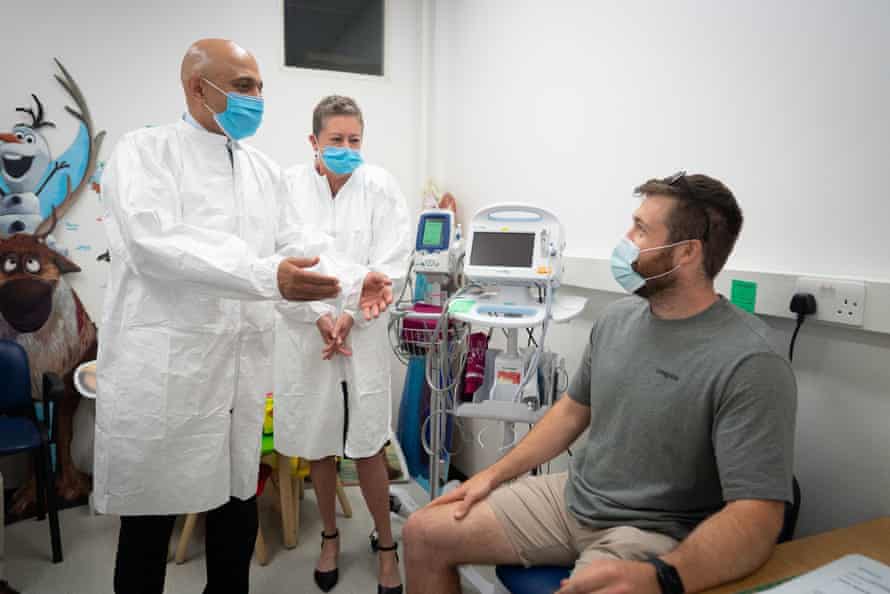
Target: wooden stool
{"points": [[260, 551], [290, 470], [297, 469]]}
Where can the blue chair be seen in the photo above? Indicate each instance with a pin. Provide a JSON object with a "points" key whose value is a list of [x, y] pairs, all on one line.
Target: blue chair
{"points": [[20, 431], [536, 580], [532, 580]]}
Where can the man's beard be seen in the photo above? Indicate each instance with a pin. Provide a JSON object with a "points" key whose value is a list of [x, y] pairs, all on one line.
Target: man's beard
{"points": [[653, 287]]}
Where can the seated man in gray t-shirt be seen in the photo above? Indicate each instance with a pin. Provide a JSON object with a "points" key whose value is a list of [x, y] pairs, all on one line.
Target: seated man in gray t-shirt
{"points": [[682, 479]]}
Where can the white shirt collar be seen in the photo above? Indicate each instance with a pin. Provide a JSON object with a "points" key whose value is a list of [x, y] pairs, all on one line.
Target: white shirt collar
{"points": [[188, 122], [187, 117]]}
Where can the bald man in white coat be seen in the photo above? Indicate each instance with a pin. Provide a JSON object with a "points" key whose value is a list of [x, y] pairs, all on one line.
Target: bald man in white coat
{"points": [[201, 250]]}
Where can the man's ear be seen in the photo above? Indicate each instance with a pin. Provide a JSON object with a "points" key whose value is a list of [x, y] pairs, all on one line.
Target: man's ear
{"points": [[691, 250], [697, 251], [313, 142], [195, 88]]}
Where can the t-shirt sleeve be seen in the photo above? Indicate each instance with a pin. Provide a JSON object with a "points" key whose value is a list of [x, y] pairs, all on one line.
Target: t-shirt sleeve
{"points": [[579, 389], [754, 430]]}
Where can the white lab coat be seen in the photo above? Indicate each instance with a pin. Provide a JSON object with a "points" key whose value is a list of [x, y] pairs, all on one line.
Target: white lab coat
{"points": [[186, 339], [369, 222]]}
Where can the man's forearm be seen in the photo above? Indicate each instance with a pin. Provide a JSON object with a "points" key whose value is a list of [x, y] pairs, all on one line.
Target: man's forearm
{"points": [[548, 438], [729, 545]]}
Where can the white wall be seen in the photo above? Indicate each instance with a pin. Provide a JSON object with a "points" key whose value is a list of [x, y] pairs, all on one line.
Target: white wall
{"points": [[572, 104], [126, 56], [785, 101]]}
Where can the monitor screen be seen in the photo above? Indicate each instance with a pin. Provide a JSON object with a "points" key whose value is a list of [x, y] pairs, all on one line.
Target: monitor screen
{"points": [[514, 250], [432, 233]]}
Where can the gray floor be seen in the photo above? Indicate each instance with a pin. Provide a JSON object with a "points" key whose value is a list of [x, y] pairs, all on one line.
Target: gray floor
{"points": [[89, 543]]}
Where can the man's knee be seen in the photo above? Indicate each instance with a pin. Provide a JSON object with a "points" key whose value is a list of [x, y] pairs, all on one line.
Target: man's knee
{"points": [[424, 532], [414, 532]]}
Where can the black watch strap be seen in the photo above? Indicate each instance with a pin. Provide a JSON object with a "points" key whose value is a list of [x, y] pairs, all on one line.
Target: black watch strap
{"points": [[667, 575]]}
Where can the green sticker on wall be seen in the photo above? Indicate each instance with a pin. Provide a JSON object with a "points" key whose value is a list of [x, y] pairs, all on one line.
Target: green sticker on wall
{"points": [[744, 294]]}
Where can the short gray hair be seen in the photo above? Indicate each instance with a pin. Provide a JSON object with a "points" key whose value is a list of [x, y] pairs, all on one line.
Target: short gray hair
{"points": [[334, 105]]}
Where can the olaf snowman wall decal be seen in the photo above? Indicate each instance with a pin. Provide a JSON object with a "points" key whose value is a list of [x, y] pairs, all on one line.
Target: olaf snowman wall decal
{"points": [[38, 308], [24, 158]]}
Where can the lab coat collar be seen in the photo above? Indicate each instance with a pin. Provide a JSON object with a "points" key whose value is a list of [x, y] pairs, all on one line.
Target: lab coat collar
{"points": [[202, 135], [188, 117], [324, 188]]}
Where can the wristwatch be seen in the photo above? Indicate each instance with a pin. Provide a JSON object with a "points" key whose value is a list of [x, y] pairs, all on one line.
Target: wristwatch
{"points": [[667, 575]]}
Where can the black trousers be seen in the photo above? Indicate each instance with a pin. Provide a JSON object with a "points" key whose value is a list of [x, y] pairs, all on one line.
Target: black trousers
{"points": [[141, 564]]}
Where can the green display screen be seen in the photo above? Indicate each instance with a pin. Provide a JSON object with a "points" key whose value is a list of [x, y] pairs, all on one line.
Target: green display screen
{"points": [[432, 233]]}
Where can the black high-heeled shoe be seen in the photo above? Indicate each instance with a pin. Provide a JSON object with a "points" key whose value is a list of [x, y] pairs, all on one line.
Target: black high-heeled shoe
{"points": [[326, 580], [381, 589]]}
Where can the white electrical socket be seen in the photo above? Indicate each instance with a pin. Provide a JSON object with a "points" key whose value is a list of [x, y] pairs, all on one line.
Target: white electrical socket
{"points": [[838, 301]]}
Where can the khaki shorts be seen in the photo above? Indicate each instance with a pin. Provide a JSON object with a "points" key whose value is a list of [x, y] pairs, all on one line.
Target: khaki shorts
{"points": [[533, 513]]}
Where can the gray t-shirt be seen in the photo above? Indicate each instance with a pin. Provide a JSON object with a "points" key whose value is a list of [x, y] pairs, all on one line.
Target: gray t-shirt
{"points": [[686, 415]]}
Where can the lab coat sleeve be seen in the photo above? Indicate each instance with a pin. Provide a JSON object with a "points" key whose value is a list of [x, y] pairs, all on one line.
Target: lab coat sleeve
{"points": [[306, 311], [154, 241], [295, 238], [391, 243]]}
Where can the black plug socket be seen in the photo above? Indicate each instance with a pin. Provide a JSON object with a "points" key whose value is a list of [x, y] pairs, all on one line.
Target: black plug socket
{"points": [[803, 304]]}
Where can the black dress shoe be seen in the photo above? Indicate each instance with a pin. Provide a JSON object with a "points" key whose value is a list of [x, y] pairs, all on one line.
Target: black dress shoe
{"points": [[326, 580], [381, 589]]}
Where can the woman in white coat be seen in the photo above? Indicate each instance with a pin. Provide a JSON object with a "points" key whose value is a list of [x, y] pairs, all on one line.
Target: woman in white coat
{"points": [[332, 378]]}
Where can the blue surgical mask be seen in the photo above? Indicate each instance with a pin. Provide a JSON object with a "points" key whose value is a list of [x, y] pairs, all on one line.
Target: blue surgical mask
{"points": [[242, 116], [623, 257], [341, 160]]}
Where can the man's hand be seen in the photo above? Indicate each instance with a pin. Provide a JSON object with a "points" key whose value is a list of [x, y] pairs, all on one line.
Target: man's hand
{"points": [[608, 575], [376, 294], [297, 284], [332, 346], [469, 493]]}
